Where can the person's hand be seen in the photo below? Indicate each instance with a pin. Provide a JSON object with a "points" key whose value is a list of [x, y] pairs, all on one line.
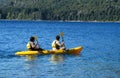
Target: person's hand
{"points": [[62, 43]]}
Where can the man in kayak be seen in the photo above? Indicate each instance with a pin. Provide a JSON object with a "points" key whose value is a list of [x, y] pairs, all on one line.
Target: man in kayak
{"points": [[32, 46], [56, 45]]}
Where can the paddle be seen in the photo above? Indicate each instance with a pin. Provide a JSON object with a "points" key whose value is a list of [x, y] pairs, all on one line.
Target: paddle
{"points": [[62, 35]]}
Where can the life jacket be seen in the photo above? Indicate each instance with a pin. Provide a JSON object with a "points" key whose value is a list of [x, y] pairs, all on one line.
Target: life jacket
{"points": [[54, 45], [28, 45]]}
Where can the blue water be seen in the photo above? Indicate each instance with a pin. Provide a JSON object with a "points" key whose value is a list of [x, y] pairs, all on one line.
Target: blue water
{"points": [[100, 57]]}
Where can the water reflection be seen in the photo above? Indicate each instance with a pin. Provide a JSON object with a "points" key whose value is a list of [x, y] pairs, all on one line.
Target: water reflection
{"points": [[31, 67], [55, 58], [30, 57]]}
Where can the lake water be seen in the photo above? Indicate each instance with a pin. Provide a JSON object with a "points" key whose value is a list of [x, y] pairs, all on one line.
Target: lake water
{"points": [[100, 57]]}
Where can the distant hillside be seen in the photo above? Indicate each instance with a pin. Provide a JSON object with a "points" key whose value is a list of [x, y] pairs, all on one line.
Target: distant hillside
{"points": [[77, 10]]}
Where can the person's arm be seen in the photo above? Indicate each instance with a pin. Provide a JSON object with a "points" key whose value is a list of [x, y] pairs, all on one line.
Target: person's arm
{"points": [[32, 45], [58, 43]]}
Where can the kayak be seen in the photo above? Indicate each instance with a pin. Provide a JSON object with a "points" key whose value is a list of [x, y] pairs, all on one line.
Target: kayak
{"points": [[75, 50]]}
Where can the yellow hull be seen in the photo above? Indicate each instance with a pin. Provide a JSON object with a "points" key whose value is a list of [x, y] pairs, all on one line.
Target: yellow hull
{"points": [[75, 50]]}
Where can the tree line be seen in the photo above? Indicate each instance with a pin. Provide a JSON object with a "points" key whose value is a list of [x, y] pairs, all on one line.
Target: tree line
{"points": [[66, 10]]}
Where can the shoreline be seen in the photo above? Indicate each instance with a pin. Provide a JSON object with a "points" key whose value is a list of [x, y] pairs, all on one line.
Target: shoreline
{"points": [[57, 20]]}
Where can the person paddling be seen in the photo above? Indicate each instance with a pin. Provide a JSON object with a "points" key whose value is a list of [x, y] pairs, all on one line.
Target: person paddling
{"points": [[32, 46], [56, 45]]}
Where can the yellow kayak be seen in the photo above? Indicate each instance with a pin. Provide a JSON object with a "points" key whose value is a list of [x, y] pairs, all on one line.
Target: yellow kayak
{"points": [[75, 50]]}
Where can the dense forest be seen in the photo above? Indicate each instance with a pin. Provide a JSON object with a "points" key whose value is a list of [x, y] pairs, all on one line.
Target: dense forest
{"points": [[66, 10]]}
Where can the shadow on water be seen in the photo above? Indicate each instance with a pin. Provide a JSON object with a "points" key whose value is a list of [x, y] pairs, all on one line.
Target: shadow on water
{"points": [[8, 56]]}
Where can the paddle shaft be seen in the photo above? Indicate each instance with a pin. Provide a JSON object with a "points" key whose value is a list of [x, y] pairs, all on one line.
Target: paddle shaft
{"points": [[36, 38], [38, 43], [62, 35]]}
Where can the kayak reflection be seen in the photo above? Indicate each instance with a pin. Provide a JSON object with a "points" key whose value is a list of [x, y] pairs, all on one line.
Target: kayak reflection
{"points": [[30, 57], [56, 58]]}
